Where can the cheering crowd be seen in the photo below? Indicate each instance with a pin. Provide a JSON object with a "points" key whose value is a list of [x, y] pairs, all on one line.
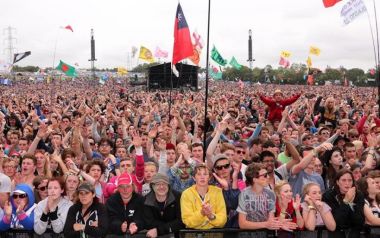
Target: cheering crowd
{"points": [[106, 161]]}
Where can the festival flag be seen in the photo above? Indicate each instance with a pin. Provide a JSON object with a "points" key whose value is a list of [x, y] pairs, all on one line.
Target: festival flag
{"points": [[134, 51], [284, 62], [159, 53], [372, 72], [67, 69], [195, 58], [351, 10], [182, 47], [217, 57], [285, 54], [198, 41], [214, 72], [308, 62], [19, 56], [68, 27], [314, 50], [330, 3], [146, 54], [122, 71], [235, 64]]}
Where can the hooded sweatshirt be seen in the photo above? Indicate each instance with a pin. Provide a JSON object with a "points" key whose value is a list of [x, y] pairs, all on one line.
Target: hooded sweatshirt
{"points": [[25, 219]]}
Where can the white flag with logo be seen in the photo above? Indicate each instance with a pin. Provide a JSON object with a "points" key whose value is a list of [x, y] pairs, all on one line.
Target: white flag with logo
{"points": [[351, 10]]}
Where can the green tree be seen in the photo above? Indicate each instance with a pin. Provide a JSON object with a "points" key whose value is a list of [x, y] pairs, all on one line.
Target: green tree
{"points": [[355, 75]]}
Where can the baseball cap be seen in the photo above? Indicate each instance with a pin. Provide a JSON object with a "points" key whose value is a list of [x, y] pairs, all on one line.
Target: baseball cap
{"points": [[124, 179], [86, 186], [18, 191]]}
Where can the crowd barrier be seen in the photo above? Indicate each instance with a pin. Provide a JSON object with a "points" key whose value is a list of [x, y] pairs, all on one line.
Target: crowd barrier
{"points": [[320, 232]]}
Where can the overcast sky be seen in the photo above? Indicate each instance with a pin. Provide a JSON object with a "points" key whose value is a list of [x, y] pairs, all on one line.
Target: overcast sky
{"points": [[277, 25]]}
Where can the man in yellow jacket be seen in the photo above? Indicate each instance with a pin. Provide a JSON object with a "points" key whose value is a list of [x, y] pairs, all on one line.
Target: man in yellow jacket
{"points": [[203, 205]]}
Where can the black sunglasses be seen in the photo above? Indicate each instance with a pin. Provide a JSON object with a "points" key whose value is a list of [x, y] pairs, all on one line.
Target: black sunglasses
{"points": [[15, 196], [42, 188], [220, 167]]}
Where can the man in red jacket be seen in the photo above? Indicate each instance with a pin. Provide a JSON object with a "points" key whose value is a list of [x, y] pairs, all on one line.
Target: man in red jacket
{"points": [[277, 104]]}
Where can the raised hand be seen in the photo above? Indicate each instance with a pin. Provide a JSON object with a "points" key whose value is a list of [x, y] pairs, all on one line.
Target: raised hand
{"points": [[223, 182]]}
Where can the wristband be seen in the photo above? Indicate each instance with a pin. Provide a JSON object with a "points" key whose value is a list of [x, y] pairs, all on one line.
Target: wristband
{"points": [[311, 208]]}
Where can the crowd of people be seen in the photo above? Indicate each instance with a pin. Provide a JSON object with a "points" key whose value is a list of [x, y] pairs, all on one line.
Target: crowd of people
{"points": [[81, 160]]}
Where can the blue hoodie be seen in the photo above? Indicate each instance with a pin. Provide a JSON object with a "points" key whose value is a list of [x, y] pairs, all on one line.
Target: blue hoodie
{"points": [[24, 220]]}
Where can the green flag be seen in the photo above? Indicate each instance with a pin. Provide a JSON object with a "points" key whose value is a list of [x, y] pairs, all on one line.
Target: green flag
{"points": [[234, 63], [67, 69], [217, 57], [215, 73]]}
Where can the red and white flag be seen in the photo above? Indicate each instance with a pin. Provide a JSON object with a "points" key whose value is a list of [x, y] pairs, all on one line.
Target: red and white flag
{"points": [[284, 62], [68, 27]]}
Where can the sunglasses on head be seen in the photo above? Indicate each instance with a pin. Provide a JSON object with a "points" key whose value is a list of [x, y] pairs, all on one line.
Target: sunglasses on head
{"points": [[220, 167], [15, 196]]}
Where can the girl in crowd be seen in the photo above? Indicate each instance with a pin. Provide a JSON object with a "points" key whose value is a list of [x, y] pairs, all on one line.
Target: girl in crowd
{"points": [[71, 186], [288, 208], [40, 184], [347, 204], [334, 160], [87, 217], [371, 207], [314, 211], [19, 212], [42, 165], [9, 167], [203, 205], [51, 212]]}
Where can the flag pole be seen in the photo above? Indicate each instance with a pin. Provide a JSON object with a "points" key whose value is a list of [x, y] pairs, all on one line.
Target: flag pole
{"points": [[206, 88], [378, 58]]}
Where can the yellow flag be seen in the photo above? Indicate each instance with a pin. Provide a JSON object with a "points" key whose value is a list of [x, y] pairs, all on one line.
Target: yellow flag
{"points": [[308, 62], [315, 50], [286, 54], [122, 71], [146, 54]]}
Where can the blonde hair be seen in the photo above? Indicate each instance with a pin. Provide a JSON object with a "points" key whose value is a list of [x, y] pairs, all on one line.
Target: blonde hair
{"points": [[278, 186], [307, 187]]}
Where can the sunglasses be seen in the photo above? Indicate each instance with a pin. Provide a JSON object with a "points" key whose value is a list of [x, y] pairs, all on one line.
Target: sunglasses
{"points": [[220, 167], [42, 188], [15, 196], [265, 175], [240, 152]]}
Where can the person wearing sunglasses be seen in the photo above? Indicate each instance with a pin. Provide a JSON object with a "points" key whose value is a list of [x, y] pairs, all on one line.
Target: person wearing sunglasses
{"points": [[50, 213], [226, 177], [40, 188], [19, 211]]}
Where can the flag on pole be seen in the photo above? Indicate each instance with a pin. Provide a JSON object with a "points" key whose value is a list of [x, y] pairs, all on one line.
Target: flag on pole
{"points": [[122, 71], [330, 3], [235, 64], [68, 27], [308, 62], [159, 53], [67, 69], [351, 10], [182, 47], [195, 58], [215, 73], [19, 56], [315, 50], [284, 62], [285, 54], [217, 57], [146, 54], [198, 41]]}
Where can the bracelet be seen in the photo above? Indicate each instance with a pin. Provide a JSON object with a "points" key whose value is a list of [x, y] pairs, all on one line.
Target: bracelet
{"points": [[79, 172], [311, 208]]}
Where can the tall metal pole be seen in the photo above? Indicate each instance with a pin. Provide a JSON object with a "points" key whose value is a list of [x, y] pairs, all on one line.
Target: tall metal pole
{"points": [[250, 59], [378, 58], [206, 89], [93, 59]]}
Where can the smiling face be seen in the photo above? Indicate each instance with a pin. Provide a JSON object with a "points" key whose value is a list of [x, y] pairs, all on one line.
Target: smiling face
{"points": [[286, 193], [315, 192]]}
